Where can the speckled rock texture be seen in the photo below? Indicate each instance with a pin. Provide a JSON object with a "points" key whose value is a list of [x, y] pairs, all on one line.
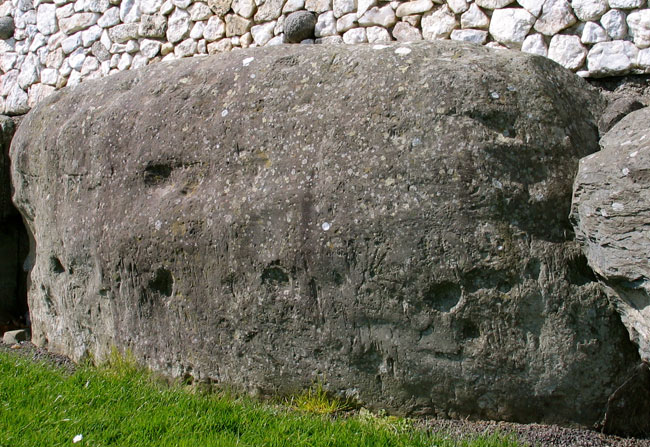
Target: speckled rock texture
{"points": [[389, 220], [611, 212]]}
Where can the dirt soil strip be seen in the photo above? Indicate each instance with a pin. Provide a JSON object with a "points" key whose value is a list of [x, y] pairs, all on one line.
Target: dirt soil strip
{"points": [[535, 435]]}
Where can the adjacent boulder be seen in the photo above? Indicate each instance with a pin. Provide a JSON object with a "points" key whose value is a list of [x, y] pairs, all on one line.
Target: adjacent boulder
{"points": [[628, 408], [611, 214], [390, 220], [616, 111]]}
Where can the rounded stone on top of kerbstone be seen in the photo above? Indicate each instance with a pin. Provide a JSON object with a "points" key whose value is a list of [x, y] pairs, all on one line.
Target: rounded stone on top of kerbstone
{"points": [[6, 27], [299, 26]]}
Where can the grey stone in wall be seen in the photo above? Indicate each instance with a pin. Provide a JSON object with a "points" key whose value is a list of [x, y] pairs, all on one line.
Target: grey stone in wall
{"points": [[299, 26], [6, 27], [389, 219]]}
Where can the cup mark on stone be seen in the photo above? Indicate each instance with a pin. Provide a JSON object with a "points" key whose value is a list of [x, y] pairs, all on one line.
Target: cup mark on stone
{"points": [[325, 226]]}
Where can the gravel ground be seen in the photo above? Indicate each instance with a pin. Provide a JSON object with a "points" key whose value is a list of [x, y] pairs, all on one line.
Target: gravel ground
{"points": [[535, 435]]}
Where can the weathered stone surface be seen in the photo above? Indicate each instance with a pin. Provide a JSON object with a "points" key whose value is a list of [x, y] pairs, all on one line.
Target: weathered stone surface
{"points": [[535, 44], [78, 22], [318, 6], [639, 23], [474, 18], [215, 29], [532, 6], [219, 7], [438, 24], [184, 49], [154, 26], [355, 36], [270, 10], [263, 33], [413, 7], [556, 15], [178, 26], [299, 26], [470, 35], [349, 21], [616, 111], [109, 18], [197, 30], [123, 33], [511, 25], [364, 5], [410, 250], [295, 5], [611, 58], [493, 4], [46, 19], [150, 48], [377, 34], [237, 25], [325, 25], [200, 11], [593, 33], [626, 4], [567, 51], [458, 6], [150, 6], [340, 7], [404, 32], [91, 35], [16, 102], [384, 16], [610, 211], [589, 10], [614, 23]]}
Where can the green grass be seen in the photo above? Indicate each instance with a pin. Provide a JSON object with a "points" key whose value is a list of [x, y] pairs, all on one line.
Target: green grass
{"points": [[122, 405]]}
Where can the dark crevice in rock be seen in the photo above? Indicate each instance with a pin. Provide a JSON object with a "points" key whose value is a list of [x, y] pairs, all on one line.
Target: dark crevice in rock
{"points": [[442, 296], [162, 282], [156, 173], [274, 274], [579, 272], [56, 266], [14, 243]]}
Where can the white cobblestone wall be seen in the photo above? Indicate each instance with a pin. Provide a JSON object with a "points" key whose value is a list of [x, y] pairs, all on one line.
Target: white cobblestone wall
{"points": [[48, 44]]}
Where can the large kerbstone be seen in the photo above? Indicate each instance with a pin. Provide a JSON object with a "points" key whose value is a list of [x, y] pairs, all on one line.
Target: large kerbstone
{"points": [[611, 214], [389, 220]]}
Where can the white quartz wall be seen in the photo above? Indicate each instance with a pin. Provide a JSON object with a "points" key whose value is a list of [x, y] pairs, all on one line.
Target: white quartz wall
{"points": [[62, 42]]}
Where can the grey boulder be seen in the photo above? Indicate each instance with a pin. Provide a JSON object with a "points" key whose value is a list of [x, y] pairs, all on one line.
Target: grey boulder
{"points": [[390, 221], [299, 26], [611, 217], [6, 27], [616, 111]]}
